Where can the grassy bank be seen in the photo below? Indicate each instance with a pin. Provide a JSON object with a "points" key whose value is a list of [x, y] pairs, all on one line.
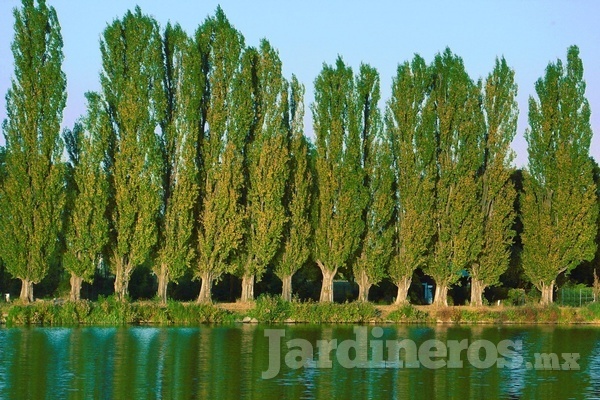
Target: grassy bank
{"points": [[527, 314], [271, 309], [109, 311]]}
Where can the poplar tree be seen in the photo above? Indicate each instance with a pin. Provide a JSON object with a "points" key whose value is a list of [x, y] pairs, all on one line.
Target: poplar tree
{"points": [[558, 202], [267, 158], [456, 122], [179, 127], [33, 193], [341, 198], [87, 227], [220, 218], [370, 267], [412, 149], [297, 231], [133, 96], [496, 190]]}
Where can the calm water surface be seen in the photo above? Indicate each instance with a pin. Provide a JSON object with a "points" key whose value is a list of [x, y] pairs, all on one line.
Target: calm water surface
{"points": [[214, 362]]}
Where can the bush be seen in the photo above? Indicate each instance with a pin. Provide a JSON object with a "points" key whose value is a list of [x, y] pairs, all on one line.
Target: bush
{"points": [[110, 311], [195, 314], [355, 312], [408, 313], [516, 297], [271, 309]]}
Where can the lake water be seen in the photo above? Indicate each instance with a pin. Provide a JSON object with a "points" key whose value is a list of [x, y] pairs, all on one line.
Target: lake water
{"points": [[228, 362]]}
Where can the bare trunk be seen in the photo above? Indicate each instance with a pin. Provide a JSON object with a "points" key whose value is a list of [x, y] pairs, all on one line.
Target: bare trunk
{"points": [[547, 294], [76, 282], [441, 296], [121, 282], [286, 290], [26, 291], [403, 286], [364, 285], [247, 288], [477, 288], [205, 288], [327, 287], [163, 282]]}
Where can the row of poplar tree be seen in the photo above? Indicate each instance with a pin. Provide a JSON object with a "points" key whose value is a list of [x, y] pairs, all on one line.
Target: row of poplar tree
{"points": [[192, 155]]}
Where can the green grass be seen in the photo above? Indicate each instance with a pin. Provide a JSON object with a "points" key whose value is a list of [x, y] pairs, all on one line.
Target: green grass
{"points": [[272, 309], [109, 311], [409, 314]]}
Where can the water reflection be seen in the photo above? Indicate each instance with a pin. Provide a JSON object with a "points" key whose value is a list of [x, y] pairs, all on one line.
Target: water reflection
{"points": [[227, 361]]}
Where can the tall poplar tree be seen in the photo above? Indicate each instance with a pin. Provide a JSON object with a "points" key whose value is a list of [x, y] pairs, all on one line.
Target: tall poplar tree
{"points": [[298, 230], [456, 122], [131, 80], [413, 149], [220, 218], [558, 202], [179, 125], [33, 193], [87, 227], [370, 267], [496, 190], [341, 196], [266, 158]]}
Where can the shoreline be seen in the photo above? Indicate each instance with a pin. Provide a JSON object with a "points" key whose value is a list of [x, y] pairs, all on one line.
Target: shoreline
{"points": [[273, 310]]}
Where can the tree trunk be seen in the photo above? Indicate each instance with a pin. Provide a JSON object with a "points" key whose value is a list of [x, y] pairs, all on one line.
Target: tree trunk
{"points": [[205, 288], [477, 288], [364, 285], [403, 286], [163, 282], [76, 282], [121, 283], [247, 288], [547, 294], [441, 295], [26, 291], [286, 290], [327, 286]]}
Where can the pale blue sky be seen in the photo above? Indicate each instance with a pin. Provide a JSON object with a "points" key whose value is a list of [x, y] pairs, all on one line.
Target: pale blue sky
{"points": [[528, 33]]}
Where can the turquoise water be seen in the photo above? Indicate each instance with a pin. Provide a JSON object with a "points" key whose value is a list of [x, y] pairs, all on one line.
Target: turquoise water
{"points": [[228, 362]]}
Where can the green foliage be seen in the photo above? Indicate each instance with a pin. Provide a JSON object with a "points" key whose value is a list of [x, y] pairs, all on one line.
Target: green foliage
{"points": [[378, 180], [453, 115], [178, 144], [194, 314], [87, 226], [220, 216], [558, 203], [271, 309], [32, 195], [297, 231], [266, 158], [339, 174], [516, 297], [591, 312], [49, 313], [412, 149], [408, 313], [496, 191], [111, 311], [318, 313], [133, 97]]}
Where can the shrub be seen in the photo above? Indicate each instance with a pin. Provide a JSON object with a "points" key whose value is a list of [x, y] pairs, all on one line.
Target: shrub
{"points": [[355, 312], [271, 309], [516, 297], [408, 313]]}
